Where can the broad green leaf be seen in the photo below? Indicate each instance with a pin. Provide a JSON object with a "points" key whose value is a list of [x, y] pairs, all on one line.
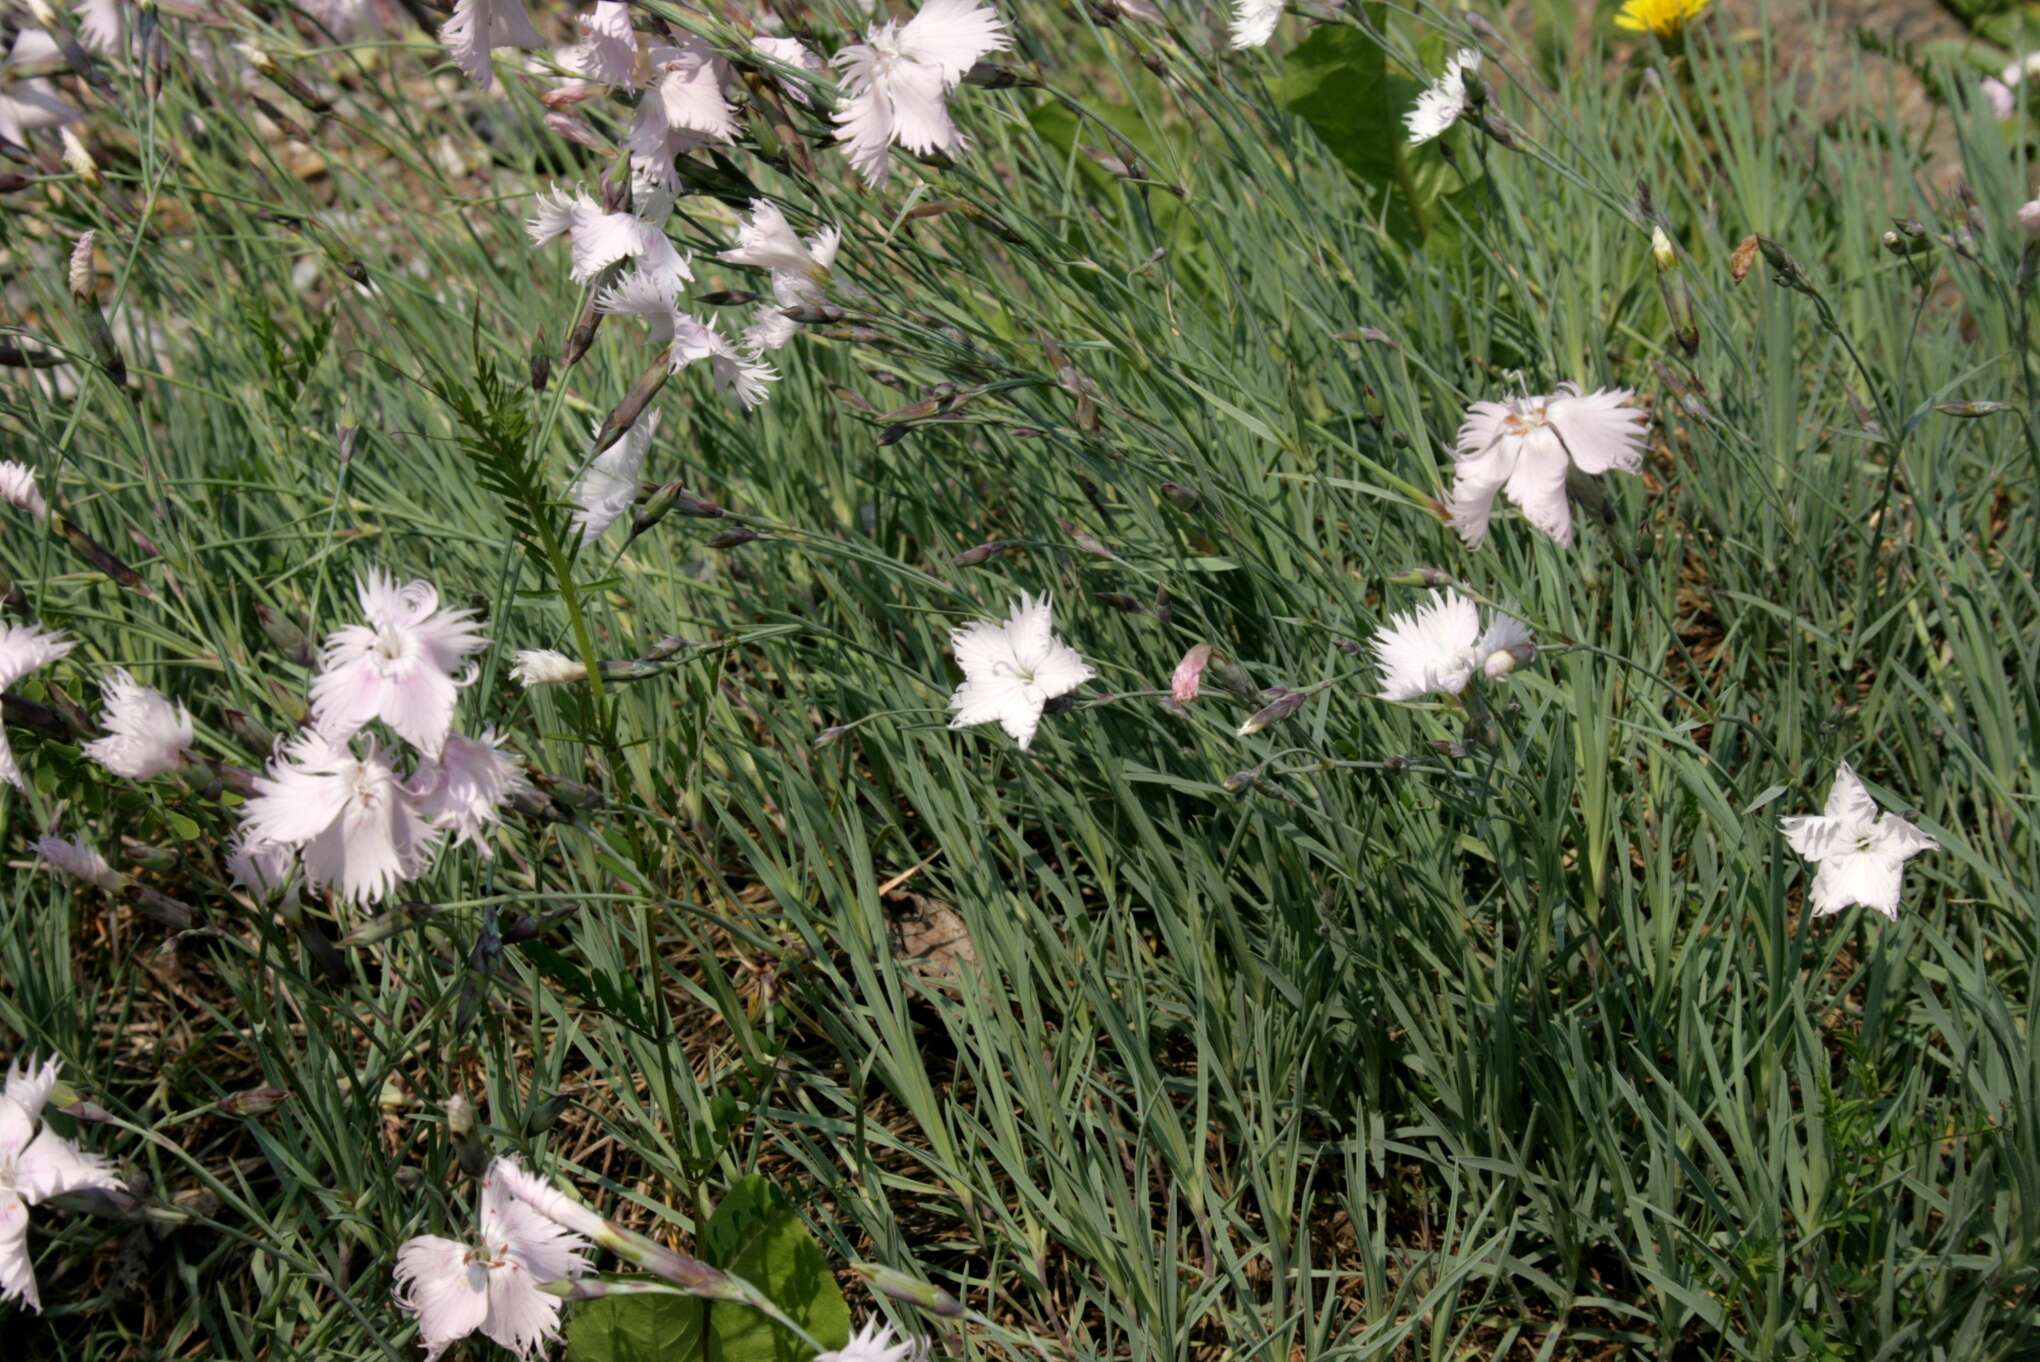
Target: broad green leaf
{"points": [[758, 1235], [636, 1329], [1338, 82]]}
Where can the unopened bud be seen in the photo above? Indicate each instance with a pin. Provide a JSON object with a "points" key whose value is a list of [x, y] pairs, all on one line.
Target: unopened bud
{"points": [[734, 537], [811, 314], [1497, 127], [1422, 576], [830, 736], [982, 554], [467, 1140], [728, 297], [541, 367], [1503, 661], [575, 129], [546, 1114], [1971, 409], [249, 731], [1239, 782], [1899, 244], [1181, 496], [991, 76], [162, 860], [1285, 703], [383, 926], [1785, 270], [1085, 540], [285, 635], [253, 1101], [624, 414], [2029, 217], [895, 1285], [655, 508], [346, 439]]}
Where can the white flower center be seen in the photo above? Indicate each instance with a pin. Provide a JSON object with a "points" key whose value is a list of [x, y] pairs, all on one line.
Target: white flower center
{"points": [[391, 647], [1525, 419], [364, 786]]}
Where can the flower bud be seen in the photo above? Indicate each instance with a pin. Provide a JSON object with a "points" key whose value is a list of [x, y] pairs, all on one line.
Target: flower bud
{"points": [[1285, 703], [734, 537], [1971, 410], [80, 273], [1239, 782], [1183, 497], [467, 1140], [2029, 217], [1900, 244], [1785, 270], [383, 926], [285, 635], [982, 554], [1422, 576], [830, 736], [1085, 540], [546, 1114], [656, 508], [252, 1101], [249, 731], [895, 1285]]}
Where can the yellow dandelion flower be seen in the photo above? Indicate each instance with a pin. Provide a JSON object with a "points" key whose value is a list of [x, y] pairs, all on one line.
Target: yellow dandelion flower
{"points": [[1666, 18]]}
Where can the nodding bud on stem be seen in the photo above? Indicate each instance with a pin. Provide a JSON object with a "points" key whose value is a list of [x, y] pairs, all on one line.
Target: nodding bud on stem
{"points": [[1239, 782], [1180, 495], [895, 1285], [734, 537], [1285, 703], [1972, 409], [830, 736]]}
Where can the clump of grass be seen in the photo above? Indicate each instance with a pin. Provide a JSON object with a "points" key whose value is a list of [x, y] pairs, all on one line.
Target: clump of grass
{"points": [[1372, 1033]]}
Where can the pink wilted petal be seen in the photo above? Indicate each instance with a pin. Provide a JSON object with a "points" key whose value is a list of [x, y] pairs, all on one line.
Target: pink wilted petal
{"points": [[1189, 674]]}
